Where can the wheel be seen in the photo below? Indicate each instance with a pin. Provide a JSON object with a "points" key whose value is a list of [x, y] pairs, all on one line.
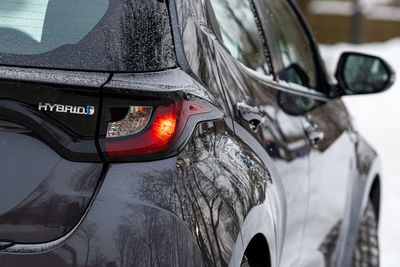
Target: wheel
{"points": [[366, 251]]}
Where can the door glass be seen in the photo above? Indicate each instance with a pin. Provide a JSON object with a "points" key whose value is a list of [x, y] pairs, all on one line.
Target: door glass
{"points": [[240, 33], [294, 45]]}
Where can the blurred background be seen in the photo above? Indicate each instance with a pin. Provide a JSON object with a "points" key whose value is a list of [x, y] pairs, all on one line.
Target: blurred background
{"points": [[369, 26]]}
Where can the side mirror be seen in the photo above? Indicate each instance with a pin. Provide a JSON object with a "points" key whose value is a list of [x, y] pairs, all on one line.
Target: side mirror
{"points": [[359, 74]]}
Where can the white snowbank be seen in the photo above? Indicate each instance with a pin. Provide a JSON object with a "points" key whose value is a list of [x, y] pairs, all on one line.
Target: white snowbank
{"points": [[377, 117]]}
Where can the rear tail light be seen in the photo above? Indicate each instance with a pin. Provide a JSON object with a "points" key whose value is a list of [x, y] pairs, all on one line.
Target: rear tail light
{"points": [[135, 121], [147, 130]]}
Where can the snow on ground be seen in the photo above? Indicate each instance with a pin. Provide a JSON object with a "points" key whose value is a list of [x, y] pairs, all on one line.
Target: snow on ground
{"points": [[377, 117]]}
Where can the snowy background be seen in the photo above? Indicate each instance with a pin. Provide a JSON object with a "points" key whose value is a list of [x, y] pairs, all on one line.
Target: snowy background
{"points": [[377, 117]]}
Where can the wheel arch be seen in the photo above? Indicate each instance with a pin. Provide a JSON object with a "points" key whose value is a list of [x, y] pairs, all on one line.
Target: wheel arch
{"points": [[258, 228], [258, 252]]}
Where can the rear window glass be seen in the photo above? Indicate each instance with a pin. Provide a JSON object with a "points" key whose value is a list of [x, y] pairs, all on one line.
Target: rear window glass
{"points": [[101, 35]]}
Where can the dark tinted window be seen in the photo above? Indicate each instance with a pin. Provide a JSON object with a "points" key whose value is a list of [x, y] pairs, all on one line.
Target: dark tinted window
{"points": [[117, 35], [294, 45], [240, 33]]}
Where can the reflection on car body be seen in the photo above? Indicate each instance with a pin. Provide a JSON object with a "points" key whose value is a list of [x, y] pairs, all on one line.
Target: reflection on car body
{"points": [[214, 139]]}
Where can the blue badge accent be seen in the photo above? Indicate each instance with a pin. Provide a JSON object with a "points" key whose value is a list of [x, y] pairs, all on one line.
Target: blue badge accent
{"points": [[90, 110]]}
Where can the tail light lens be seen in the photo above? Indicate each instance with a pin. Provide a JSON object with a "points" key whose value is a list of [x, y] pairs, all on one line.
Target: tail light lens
{"points": [[135, 121], [146, 130]]}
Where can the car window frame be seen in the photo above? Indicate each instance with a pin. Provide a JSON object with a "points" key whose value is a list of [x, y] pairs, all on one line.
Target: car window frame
{"points": [[214, 26], [271, 81], [322, 77], [323, 89]]}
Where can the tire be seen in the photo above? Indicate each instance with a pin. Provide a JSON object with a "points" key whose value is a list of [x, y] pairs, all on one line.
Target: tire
{"points": [[366, 251]]}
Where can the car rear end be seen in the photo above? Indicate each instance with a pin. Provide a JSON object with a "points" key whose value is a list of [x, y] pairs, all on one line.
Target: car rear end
{"points": [[93, 112]]}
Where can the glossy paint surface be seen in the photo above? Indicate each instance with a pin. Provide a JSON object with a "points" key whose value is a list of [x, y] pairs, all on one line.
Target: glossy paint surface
{"points": [[330, 187], [282, 163], [70, 135], [183, 211], [280, 135], [124, 226], [43, 196], [218, 183], [318, 179]]}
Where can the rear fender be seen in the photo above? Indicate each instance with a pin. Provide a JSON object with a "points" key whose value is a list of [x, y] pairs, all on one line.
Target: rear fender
{"points": [[128, 224]]}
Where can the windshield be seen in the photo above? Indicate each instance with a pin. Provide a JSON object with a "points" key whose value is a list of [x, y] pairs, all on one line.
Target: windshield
{"points": [[99, 35]]}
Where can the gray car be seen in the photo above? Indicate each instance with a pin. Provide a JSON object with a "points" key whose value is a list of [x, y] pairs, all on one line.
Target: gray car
{"points": [[180, 133]]}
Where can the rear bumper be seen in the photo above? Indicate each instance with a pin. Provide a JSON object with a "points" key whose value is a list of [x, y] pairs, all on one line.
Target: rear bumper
{"points": [[130, 223]]}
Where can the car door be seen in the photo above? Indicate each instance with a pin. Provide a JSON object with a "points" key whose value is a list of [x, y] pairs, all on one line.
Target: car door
{"points": [[253, 93], [328, 129]]}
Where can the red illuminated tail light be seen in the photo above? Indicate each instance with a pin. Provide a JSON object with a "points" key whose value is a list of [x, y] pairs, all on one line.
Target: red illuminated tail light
{"points": [[162, 131]]}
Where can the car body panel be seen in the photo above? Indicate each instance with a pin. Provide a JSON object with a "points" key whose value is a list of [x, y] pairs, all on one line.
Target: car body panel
{"points": [[339, 141], [234, 81], [24, 93], [43, 195], [157, 83], [227, 181], [203, 206], [282, 137], [368, 173], [266, 218], [132, 231], [45, 189], [333, 171], [192, 197]]}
